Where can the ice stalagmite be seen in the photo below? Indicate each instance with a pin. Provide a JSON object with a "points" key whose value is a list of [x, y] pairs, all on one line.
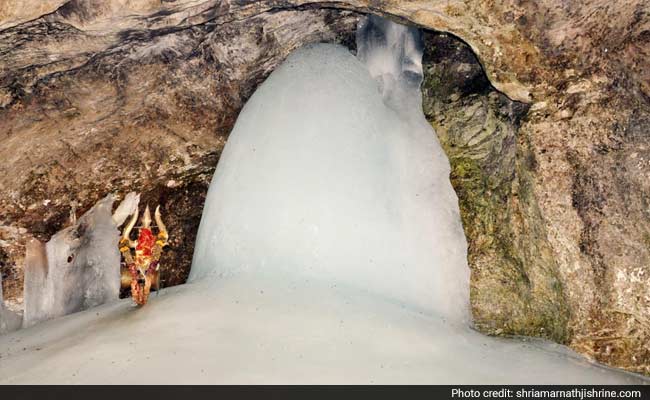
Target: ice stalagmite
{"points": [[323, 179]]}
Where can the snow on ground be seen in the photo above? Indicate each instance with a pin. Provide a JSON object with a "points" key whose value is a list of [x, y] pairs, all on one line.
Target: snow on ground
{"points": [[254, 329]]}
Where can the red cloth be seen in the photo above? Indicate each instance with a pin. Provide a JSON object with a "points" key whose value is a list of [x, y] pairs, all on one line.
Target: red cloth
{"points": [[146, 241]]}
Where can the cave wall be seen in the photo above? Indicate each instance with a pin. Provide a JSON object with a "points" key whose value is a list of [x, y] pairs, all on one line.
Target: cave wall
{"points": [[549, 158], [515, 286], [551, 192]]}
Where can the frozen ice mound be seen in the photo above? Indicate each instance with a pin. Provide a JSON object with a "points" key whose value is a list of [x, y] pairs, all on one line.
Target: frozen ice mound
{"points": [[260, 330], [321, 179]]}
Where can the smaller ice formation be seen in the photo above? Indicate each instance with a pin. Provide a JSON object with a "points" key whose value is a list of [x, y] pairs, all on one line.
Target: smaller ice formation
{"points": [[79, 267], [392, 53]]}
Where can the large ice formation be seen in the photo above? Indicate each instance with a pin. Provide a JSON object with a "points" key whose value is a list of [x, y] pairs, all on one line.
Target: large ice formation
{"points": [[322, 178], [79, 267], [330, 251]]}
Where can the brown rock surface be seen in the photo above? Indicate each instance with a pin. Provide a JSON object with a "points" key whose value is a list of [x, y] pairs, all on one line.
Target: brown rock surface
{"points": [[101, 96]]}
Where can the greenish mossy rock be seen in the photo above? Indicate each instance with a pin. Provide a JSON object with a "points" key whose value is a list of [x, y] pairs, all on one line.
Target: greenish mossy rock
{"points": [[515, 289]]}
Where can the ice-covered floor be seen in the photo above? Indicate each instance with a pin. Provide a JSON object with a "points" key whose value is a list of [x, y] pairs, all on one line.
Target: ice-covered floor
{"points": [[257, 329], [330, 251]]}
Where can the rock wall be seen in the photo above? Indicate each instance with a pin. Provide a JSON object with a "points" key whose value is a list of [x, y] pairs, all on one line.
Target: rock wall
{"points": [[99, 96], [553, 198], [515, 284]]}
